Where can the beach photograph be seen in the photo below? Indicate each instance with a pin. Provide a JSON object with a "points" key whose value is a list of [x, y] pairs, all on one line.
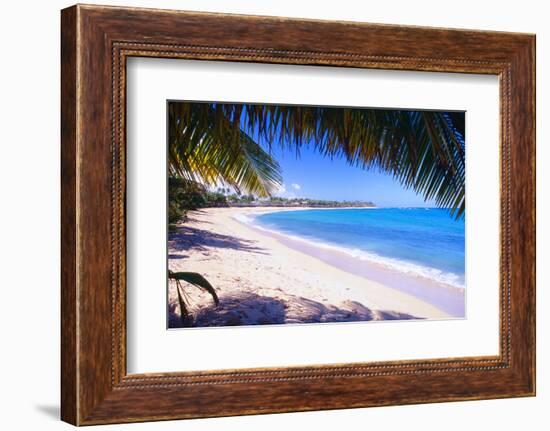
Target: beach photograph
{"points": [[294, 214]]}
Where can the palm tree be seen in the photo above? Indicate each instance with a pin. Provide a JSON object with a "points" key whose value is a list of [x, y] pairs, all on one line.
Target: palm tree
{"points": [[424, 150], [206, 151]]}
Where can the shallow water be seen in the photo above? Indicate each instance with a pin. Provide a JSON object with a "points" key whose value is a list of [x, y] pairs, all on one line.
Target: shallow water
{"points": [[424, 242]]}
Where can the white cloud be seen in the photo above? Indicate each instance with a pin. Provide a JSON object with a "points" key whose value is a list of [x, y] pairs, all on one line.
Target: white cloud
{"points": [[281, 190], [284, 191]]}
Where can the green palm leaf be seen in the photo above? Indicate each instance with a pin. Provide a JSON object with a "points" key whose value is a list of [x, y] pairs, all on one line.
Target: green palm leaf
{"points": [[214, 150], [195, 279], [424, 150]]}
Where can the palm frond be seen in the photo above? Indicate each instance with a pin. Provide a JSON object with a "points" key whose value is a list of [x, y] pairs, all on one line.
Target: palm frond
{"points": [[213, 150], [424, 150], [195, 279]]}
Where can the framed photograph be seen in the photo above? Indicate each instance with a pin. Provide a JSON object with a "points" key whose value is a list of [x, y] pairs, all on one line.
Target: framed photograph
{"points": [[265, 215]]}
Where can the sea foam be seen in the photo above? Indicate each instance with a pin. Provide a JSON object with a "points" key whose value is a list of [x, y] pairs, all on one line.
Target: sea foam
{"points": [[409, 268]]}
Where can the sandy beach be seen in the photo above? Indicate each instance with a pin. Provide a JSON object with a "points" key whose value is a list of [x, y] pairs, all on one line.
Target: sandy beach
{"points": [[261, 280]]}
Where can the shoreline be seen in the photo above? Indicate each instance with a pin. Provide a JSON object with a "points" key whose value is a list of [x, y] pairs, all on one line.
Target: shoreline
{"points": [[263, 277], [438, 293]]}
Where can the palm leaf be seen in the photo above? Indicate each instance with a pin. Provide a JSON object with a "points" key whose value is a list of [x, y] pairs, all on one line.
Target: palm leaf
{"points": [[195, 279], [424, 150], [213, 150]]}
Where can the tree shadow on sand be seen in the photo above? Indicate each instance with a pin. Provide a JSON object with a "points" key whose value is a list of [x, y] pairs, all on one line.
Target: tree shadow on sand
{"points": [[244, 308], [187, 238], [304, 310], [247, 308], [197, 220], [176, 256]]}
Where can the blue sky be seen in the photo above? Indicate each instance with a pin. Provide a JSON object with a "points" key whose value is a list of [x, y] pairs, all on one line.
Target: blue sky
{"points": [[315, 176]]}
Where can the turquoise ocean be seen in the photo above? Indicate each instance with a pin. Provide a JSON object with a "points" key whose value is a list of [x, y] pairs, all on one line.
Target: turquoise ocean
{"points": [[423, 242]]}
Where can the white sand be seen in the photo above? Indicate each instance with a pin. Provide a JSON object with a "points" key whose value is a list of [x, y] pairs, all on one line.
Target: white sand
{"points": [[260, 280]]}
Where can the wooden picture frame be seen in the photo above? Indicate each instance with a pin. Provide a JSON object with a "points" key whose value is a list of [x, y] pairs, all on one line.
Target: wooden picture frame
{"points": [[95, 43]]}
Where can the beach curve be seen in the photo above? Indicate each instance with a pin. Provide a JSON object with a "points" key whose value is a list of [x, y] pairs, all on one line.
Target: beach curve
{"points": [[263, 280]]}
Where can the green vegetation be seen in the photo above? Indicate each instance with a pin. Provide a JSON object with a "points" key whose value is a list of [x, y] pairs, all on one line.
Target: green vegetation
{"points": [[210, 150], [248, 200], [185, 195]]}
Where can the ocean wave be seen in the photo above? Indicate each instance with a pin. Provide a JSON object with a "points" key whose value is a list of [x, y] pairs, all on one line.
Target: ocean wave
{"points": [[408, 268]]}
